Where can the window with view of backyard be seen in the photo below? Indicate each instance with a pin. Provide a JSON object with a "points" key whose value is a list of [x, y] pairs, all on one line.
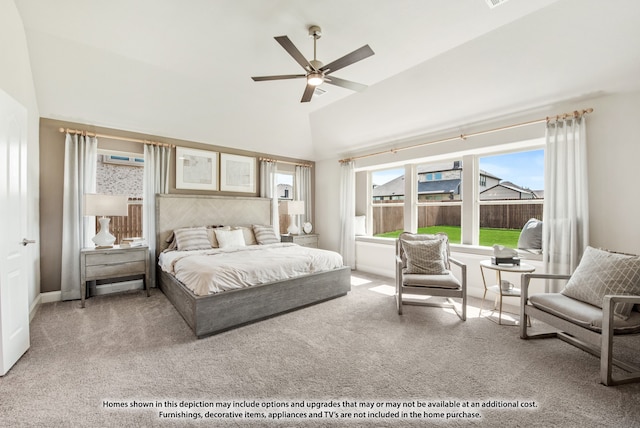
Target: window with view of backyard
{"points": [[503, 207]]}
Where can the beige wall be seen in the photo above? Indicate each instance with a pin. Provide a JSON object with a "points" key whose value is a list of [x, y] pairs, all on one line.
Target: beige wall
{"points": [[51, 182]]}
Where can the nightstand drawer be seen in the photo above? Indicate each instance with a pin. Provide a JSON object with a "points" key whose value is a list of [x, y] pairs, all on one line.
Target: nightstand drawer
{"points": [[306, 240], [115, 257], [114, 270]]}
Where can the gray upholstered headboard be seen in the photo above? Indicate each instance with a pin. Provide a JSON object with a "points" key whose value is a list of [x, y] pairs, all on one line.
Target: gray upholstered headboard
{"points": [[176, 211]]}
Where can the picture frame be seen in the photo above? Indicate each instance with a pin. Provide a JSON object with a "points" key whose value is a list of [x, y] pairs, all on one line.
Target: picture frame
{"points": [[196, 169], [237, 173]]}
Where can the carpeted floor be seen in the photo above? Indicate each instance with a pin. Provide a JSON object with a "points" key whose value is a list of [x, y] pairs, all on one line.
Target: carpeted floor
{"points": [[351, 361]]}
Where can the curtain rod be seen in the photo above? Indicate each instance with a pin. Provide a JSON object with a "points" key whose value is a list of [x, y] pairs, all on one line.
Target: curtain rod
{"points": [[113, 137], [575, 114], [287, 162]]}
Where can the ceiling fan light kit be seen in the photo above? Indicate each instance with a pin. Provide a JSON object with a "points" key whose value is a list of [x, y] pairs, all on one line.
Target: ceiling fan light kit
{"points": [[316, 73]]}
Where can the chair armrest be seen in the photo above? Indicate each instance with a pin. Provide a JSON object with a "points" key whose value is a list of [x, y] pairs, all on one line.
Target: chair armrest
{"points": [[463, 271], [456, 262], [607, 311], [525, 280]]}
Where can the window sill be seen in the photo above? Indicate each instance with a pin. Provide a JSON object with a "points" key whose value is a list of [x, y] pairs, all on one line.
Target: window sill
{"points": [[456, 248]]}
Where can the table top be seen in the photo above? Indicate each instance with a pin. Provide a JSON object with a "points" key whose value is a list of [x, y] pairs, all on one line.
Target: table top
{"points": [[508, 268]]}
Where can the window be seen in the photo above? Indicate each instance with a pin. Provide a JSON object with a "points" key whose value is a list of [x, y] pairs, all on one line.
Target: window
{"points": [[439, 198], [387, 196], [509, 193], [122, 174], [284, 181]]}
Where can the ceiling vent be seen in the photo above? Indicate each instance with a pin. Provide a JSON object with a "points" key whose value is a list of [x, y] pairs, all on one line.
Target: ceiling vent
{"points": [[495, 3], [319, 92]]}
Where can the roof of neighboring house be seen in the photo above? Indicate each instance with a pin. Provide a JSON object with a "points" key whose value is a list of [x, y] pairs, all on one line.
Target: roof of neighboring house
{"points": [[508, 186], [391, 188], [439, 186], [395, 187]]}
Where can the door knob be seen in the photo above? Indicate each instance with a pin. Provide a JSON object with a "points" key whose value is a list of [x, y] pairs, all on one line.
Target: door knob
{"points": [[26, 241]]}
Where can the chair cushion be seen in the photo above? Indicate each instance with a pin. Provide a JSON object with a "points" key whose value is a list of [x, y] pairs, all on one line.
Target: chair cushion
{"points": [[601, 273], [425, 257], [448, 281], [583, 314]]}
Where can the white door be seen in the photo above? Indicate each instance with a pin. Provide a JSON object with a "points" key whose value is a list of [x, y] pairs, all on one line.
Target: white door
{"points": [[14, 298]]}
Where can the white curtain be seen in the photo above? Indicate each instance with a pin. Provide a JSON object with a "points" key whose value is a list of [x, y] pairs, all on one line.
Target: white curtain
{"points": [[156, 180], [268, 189], [566, 202], [303, 193], [347, 213], [80, 162]]}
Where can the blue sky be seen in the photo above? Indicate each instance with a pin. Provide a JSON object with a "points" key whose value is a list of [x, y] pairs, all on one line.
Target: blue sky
{"points": [[525, 169]]}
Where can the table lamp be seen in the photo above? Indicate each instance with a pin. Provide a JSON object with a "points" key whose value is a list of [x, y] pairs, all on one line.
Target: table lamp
{"points": [[103, 206], [292, 208]]}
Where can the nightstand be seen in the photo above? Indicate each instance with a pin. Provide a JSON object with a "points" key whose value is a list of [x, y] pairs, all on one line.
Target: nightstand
{"points": [[310, 240], [116, 262]]}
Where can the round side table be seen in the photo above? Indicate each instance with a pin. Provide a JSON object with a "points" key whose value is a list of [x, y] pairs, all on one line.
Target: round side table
{"points": [[513, 292]]}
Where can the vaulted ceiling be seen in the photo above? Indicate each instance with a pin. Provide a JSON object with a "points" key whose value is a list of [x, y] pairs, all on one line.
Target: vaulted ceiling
{"points": [[183, 69]]}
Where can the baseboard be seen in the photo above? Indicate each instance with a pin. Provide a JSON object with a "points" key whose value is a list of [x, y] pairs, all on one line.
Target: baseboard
{"points": [[51, 296]]}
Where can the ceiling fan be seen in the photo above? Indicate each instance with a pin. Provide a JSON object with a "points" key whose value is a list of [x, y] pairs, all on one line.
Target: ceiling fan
{"points": [[315, 71]]}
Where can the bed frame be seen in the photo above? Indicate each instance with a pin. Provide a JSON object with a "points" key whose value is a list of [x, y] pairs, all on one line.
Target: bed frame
{"points": [[215, 313]]}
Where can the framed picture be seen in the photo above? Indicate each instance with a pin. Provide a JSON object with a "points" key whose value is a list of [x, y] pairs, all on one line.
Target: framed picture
{"points": [[237, 173], [196, 169]]}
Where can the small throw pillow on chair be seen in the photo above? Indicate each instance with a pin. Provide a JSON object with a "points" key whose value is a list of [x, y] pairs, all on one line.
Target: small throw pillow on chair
{"points": [[600, 273], [425, 257]]}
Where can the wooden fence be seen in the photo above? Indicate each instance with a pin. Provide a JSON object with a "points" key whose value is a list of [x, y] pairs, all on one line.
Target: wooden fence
{"points": [[391, 218], [129, 226]]}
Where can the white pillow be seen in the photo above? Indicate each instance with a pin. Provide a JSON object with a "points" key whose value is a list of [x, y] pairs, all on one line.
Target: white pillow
{"points": [[230, 238], [360, 225]]}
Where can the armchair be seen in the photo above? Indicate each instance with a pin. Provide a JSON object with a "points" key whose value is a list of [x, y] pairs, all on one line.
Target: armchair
{"points": [[423, 267], [600, 301]]}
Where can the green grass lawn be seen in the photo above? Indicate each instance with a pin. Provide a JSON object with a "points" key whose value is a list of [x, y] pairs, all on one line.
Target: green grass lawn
{"points": [[488, 237]]}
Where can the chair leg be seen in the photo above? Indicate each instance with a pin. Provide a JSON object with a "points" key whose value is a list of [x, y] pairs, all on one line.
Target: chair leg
{"points": [[399, 300]]}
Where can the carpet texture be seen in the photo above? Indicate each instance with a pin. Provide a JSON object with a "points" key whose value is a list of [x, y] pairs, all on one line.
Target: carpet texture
{"points": [[85, 363]]}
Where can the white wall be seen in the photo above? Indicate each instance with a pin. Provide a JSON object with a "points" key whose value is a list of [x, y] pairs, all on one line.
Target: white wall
{"points": [[613, 138], [16, 80]]}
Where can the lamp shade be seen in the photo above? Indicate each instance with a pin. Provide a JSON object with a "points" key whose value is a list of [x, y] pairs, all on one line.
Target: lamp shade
{"points": [[105, 205], [292, 207]]}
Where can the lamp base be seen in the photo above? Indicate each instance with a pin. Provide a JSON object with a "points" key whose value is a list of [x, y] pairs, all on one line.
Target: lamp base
{"points": [[104, 238], [293, 229]]}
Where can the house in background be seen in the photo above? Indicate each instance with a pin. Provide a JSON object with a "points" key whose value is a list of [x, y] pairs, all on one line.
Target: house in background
{"points": [[506, 190], [436, 182]]}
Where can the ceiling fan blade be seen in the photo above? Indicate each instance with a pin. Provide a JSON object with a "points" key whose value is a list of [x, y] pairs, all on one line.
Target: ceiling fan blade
{"points": [[294, 52], [308, 93], [281, 77], [348, 59], [345, 83]]}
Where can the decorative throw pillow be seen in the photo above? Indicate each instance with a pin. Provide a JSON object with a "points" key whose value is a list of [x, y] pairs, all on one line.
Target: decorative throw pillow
{"points": [[211, 234], [425, 257], [440, 236], [229, 238], [249, 236], [192, 238], [360, 225], [531, 235], [600, 273], [265, 234]]}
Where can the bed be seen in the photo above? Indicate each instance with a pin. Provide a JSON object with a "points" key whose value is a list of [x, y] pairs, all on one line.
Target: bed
{"points": [[213, 313]]}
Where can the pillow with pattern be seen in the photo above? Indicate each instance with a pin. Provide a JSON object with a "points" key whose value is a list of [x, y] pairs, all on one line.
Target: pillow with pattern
{"points": [[265, 234], [192, 238], [425, 257], [600, 273]]}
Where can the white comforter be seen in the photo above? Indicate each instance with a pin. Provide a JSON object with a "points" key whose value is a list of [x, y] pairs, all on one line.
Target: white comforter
{"points": [[212, 271]]}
